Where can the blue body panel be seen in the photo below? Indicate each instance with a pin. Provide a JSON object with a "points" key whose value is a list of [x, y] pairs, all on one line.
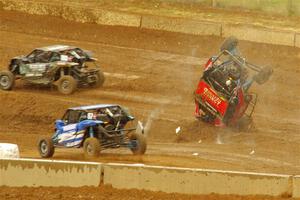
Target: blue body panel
{"points": [[71, 135]]}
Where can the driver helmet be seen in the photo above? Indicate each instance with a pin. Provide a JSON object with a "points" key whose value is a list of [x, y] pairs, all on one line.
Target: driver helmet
{"points": [[234, 72], [83, 116]]}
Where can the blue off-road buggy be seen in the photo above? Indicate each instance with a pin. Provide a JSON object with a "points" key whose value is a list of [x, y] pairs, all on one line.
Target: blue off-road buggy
{"points": [[95, 128]]}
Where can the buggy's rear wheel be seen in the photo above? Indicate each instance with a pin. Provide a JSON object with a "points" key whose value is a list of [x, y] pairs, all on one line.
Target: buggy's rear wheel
{"points": [[67, 84], [91, 147], [7, 80], [138, 143], [100, 78], [46, 147]]}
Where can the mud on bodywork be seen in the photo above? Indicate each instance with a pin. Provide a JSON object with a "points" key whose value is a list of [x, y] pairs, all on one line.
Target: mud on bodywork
{"points": [[68, 66]]}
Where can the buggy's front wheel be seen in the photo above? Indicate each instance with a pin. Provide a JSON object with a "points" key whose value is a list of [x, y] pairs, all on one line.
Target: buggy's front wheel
{"points": [[46, 147], [7, 80], [138, 143], [229, 44], [100, 79], [245, 124], [91, 147], [264, 75]]}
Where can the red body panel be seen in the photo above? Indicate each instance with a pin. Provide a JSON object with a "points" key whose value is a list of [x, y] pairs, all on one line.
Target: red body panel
{"points": [[220, 104], [210, 96]]}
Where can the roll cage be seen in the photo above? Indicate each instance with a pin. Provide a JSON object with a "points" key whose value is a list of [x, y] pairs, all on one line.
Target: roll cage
{"points": [[102, 113], [44, 55], [227, 66]]}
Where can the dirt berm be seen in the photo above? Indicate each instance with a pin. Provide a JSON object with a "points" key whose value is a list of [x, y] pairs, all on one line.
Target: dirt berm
{"points": [[175, 17]]}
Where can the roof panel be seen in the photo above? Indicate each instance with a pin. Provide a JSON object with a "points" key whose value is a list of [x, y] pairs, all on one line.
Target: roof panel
{"points": [[91, 107], [56, 48]]}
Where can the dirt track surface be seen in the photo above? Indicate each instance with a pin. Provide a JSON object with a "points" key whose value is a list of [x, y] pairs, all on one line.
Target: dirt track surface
{"points": [[178, 9], [108, 193], [154, 74]]}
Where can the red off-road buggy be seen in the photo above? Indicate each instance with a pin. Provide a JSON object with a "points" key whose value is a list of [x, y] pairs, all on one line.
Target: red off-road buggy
{"points": [[222, 96]]}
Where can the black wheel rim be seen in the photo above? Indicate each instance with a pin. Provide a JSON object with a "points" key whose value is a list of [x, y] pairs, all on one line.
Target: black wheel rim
{"points": [[134, 145], [65, 85], [44, 147]]}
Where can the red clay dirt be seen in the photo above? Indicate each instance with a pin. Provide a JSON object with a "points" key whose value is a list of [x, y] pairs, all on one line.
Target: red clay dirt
{"points": [[108, 193], [154, 73]]}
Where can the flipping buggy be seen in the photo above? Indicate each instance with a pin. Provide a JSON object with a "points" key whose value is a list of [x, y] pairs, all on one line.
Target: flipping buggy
{"points": [[222, 96]]}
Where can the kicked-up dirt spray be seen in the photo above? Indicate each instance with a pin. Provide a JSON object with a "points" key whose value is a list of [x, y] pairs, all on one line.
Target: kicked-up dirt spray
{"points": [[153, 115]]}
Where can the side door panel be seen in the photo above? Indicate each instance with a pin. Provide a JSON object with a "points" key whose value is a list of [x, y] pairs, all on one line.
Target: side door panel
{"points": [[68, 135], [71, 136], [34, 69]]}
